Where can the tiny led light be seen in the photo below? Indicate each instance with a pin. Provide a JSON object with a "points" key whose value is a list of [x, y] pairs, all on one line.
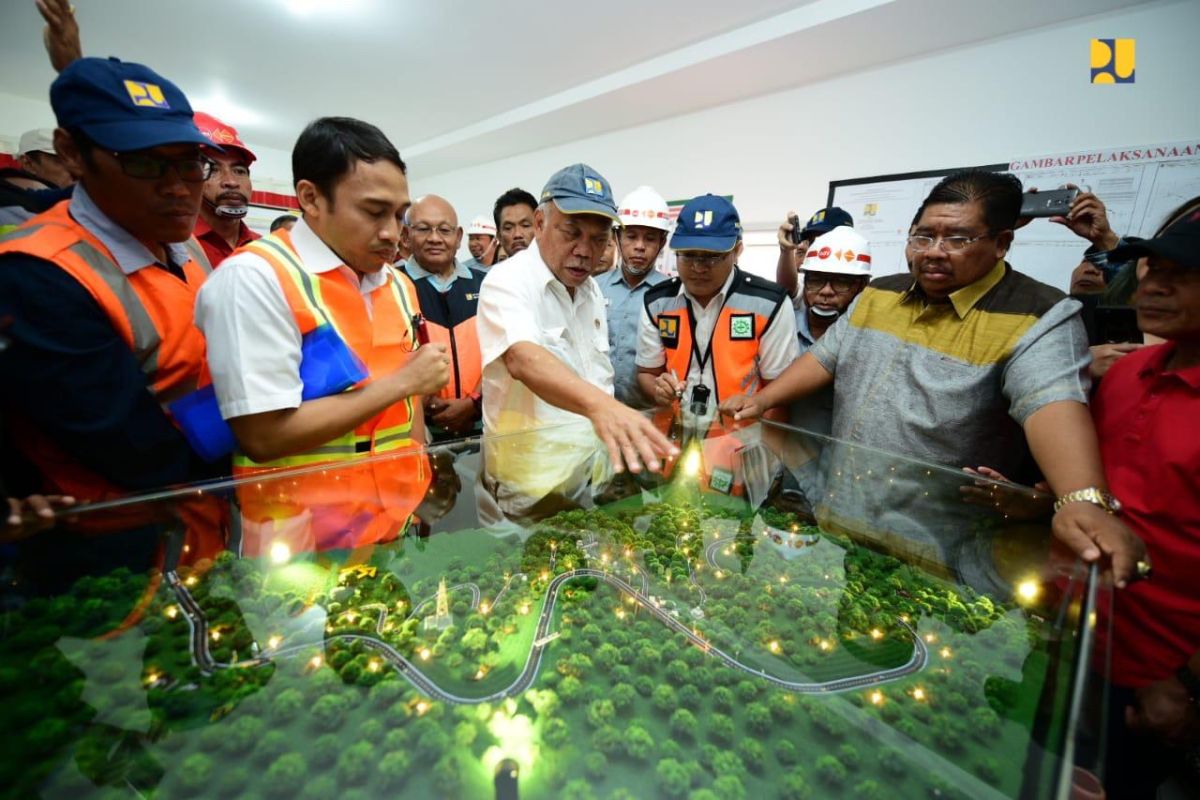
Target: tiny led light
{"points": [[919, 694], [876, 697], [1028, 590], [280, 552], [425, 654]]}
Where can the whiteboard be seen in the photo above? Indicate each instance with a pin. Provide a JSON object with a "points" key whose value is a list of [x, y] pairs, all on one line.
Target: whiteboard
{"points": [[1139, 185]]}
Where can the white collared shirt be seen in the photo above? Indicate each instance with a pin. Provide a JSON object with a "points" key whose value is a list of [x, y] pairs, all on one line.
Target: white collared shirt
{"points": [[251, 334], [777, 348], [522, 301]]}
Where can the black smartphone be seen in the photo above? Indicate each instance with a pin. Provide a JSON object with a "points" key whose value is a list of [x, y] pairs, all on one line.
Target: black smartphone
{"points": [[1055, 203], [1116, 324], [795, 222]]}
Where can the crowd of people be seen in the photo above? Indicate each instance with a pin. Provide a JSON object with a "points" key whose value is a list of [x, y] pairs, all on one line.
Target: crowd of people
{"points": [[129, 282]]}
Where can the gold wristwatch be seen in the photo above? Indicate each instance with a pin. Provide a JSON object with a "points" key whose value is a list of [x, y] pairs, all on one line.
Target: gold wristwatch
{"points": [[1090, 495]]}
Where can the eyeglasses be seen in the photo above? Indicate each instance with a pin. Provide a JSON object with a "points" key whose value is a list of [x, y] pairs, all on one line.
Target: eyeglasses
{"points": [[445, 231], [148, 167], [701, 261], [951, 244], [841, 284]]}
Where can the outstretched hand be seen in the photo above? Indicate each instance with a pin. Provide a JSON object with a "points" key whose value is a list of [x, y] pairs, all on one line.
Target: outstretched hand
{"points": [[61, 34], [742, 407], [1092, 533], [631, 439]]}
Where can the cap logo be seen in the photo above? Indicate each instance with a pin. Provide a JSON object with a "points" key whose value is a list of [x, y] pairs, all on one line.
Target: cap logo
{"points": [[846, 255], [703, 219], [824, 253], [148, 95], [593, 186], [817, 217]]}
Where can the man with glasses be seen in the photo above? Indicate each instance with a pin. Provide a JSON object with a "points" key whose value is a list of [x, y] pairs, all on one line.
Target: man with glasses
{"points": [[965, 361], [100, 289], [714, 332], [448, 292], [222, 227]]}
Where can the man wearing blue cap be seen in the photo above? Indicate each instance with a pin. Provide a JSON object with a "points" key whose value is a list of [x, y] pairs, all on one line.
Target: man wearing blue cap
{"points": [[100, 288], [543, 331], [714, 332]]}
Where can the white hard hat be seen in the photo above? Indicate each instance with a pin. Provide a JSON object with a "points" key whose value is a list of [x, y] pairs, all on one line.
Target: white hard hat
{"points": [[481, 225], [40, 140], [645, 207], [843, 250]]}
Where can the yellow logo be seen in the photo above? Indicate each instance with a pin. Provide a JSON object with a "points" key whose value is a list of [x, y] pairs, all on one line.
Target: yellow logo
{"points": [[1113, 60], [668, 327], [593, 186], [703, 219], [149, 95]]}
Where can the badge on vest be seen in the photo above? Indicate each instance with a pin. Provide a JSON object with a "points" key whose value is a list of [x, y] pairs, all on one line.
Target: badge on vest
{"points": [[668, 331], [741, 326], [721, 481]]}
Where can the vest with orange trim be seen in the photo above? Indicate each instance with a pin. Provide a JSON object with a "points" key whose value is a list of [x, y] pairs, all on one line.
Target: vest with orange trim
{"points": [[151, 310], [750, 307], [450, 318], [383, 340]]}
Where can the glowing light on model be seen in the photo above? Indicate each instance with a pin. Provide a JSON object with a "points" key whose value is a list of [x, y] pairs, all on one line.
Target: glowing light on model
{"points": [[280, 553], [1028, 590]]}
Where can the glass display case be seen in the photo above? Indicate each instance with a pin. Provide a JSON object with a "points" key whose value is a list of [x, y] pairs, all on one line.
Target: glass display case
{"points": [[776, 614]]}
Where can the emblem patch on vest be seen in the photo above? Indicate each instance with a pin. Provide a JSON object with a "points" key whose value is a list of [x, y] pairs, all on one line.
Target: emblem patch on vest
{"points": [[721, 481], [741, 326], [668, 331]]}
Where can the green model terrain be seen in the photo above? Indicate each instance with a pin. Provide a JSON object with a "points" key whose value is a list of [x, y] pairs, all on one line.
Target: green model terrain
{"points": [[302, 685]]}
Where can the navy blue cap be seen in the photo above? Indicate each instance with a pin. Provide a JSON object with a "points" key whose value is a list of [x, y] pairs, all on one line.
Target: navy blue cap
{"points": [[579, 189], [707, 222], [1179, 243], [826, 220], [122, 106]]}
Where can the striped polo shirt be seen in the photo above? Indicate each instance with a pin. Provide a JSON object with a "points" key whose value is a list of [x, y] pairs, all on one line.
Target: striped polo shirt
{"points": [[949, 383]]}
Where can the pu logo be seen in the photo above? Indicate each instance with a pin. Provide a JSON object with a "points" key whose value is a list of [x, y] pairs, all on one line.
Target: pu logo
{"points": [[817, 217], [703, 219], [149, 95], [593, 186], [1113, 60], [668, 327]]}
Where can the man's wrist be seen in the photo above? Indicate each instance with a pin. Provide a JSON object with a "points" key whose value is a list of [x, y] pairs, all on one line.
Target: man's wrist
{"points": [[1095, 495], [1107, 241]]}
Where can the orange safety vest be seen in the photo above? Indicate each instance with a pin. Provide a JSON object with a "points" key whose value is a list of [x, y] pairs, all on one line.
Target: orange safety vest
{"points": [[383, 340], [350, 504], [750, 306], [151, 310]]}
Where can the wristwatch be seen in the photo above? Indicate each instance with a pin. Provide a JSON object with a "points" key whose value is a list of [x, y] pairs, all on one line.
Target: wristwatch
{"points": [[1091, 495]]}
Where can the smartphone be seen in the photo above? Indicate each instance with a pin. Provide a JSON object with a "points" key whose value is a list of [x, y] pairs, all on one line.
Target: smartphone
{"points": [[1054, 203], [795, 222], [1116, 324]]}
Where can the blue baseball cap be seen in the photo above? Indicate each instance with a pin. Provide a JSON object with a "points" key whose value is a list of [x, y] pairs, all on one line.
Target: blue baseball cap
{"points": [[579, 189], [825, 220], [123, 106], [707, 222]]}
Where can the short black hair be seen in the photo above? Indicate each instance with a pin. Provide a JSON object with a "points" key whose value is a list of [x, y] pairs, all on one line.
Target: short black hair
{"points": [[281, 220], [513, 197], [999, 192], [85, 144], [329, 146]]}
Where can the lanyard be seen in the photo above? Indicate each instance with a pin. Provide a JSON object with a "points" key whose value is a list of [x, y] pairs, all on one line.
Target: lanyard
{"points": [[702, 359]]}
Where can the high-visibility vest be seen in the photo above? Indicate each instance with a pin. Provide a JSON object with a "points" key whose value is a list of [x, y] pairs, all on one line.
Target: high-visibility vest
{"points": [[450, 317], [383, 340], [151, 310], [750, 306]]}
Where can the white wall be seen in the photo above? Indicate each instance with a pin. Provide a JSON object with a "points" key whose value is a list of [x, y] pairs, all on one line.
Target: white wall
{"points": [[988, 103]]}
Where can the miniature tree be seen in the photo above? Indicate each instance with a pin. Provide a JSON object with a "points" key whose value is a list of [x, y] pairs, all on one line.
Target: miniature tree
{"points": [[683, 724], [673, 778]]}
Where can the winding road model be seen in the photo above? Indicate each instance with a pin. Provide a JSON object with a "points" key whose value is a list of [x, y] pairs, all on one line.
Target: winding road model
{"points": [[413, 674]]}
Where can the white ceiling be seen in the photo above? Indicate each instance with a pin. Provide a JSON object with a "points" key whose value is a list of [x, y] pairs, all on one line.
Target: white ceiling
{"points": [[461, 82]]}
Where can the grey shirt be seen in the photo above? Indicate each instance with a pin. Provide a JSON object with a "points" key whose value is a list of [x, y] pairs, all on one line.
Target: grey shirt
{"points": [[626, 305]]}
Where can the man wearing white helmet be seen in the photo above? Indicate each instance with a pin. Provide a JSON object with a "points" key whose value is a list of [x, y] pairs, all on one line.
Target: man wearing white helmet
{"points": [[836, 268], [481, 241], [644, 226]]}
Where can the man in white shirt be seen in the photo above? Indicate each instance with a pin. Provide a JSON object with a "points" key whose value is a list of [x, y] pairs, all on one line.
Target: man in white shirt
{"points": [[544, 336], [334, 267], [713, 332]]}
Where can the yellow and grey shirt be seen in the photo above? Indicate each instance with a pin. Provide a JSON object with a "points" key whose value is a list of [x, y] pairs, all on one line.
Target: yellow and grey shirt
{"points": [[949, 383]]}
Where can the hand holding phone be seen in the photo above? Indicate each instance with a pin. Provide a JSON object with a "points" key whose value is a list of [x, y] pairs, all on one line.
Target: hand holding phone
{"points": [[1055, 203]]}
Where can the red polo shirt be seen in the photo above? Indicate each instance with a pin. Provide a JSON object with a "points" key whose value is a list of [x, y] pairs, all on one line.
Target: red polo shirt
{"points": [[1149, 426], [214, 244]]}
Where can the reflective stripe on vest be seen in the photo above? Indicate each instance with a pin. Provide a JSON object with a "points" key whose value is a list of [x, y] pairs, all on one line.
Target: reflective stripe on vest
{"points": [[303, 289], [734, 361]]}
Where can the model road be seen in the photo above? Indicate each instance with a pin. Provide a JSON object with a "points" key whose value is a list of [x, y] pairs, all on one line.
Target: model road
{"points": [[413, 674]]}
